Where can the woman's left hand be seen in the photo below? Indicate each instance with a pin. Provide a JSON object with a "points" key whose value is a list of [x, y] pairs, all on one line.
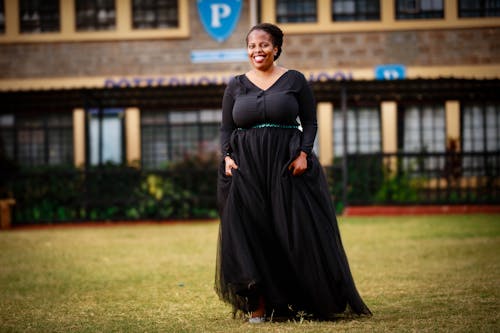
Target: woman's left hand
{"points": [[299, 165]]}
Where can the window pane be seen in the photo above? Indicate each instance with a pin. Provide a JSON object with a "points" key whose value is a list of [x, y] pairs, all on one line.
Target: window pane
{"points": [[6, 120], [184, 133], [31, 147], [424, 129], [36, 140], [150, 14], [338, 148], [7, 135], [356, 10], [474, 8], [419, 9], [363, 131], [94, 15], [493, 127], [480, 128], [154, 147], [105, 139], [411, 132], [37, 16], [296, 11], [60, 146], [2, 17], [183, 117], [369, 130]]}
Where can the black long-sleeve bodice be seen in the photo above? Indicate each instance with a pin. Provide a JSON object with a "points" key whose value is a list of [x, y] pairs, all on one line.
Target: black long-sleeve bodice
{"points": [[245, 105]]}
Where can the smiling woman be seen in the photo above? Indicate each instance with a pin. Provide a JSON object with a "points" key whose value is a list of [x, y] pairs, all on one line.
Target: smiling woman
{"points": [[280, 251]]}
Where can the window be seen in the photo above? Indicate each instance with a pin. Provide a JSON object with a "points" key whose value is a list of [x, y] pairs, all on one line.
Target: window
{"points": [[480, 134], [363, 131], [419, 9], [296, 11], [354, 10], [2, 17], [475, 8], [35, 140], [7, 135], [149, 14], [94, 15], [172, 135], [39, 16], [424, 129], [481, 128], [106, 136]]}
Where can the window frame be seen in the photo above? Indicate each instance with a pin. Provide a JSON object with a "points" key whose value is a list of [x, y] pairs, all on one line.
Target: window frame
{"points": [[156, 7], [41, 9], [315, 14], [357, 13], [359, 139], [482, 11], [2, 12], [479, 110], [421, 108], [95, 28], [398, 12], [68, 32], [387, 22], [167, 127], [65, 133], [475, 159]]}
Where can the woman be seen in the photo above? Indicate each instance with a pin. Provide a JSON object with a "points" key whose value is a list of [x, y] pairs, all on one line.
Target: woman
{"points": [[279, 248]]}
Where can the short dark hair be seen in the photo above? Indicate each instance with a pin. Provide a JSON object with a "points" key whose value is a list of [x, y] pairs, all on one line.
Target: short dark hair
{"points": [[274, 31]]}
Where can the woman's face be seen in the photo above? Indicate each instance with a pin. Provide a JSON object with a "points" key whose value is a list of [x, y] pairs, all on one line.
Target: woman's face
{"points": [[261, 50]]}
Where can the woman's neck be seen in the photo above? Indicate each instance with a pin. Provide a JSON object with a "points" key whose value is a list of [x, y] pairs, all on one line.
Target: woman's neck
{"points": [[266, 73]]}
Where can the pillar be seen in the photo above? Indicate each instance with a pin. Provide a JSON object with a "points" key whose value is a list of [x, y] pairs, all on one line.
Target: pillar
{"points": [[133, 136], [325, 122], [79, 137]]}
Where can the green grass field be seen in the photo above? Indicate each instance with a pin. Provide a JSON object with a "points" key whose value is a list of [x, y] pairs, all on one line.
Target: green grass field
{"points": [[417, 274]]}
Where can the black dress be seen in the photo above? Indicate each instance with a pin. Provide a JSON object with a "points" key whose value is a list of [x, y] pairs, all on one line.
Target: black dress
{"points": [[278, 235]]}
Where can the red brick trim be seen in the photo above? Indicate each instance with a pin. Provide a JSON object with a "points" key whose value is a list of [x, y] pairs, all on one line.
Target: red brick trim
{"points": [[420, 210]]}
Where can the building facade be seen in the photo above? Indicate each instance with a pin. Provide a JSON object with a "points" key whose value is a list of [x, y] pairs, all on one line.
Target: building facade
{"points": [[139, 82]]}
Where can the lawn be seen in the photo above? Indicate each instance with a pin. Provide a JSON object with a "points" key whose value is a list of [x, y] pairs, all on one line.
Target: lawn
{"points": [[417, 274]]}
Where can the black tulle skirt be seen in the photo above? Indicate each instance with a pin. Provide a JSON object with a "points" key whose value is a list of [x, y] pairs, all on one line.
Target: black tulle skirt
{"points": [[278, 236]]}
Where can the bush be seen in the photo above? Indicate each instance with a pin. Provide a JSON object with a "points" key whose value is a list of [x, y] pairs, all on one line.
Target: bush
{"points": [[185, 189]]}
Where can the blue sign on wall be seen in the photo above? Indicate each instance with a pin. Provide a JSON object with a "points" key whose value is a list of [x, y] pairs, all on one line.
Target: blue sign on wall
{"points": [[390, 72], [219, 17], [221, 55]]}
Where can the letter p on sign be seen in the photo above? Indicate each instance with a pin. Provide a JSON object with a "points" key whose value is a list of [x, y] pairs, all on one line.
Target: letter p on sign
{"points": [[219, 11]]}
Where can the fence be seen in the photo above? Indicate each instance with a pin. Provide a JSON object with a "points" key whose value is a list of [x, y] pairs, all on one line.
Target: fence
{"points": [[416, 178], [182, 191], [187, 189]]}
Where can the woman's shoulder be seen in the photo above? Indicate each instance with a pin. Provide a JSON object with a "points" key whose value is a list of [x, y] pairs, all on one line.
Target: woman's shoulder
{"points": [[235, 80], [297, 74], [235, 85], [296, 79]]}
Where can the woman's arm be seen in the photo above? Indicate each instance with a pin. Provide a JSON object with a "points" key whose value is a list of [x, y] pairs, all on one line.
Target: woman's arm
{"points": [[227, 126], [307, 115]]}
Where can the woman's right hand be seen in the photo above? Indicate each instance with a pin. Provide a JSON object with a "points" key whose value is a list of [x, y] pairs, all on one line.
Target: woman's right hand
{"points": [[230, 165]]}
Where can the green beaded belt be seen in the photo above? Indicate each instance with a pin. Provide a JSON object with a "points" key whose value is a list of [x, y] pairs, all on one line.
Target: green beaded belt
{"points": [[270, 125]]}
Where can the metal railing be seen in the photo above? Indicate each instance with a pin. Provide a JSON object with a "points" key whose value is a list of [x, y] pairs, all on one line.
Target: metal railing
{"points": [[113, 194], [188, 190], [416, 178]]}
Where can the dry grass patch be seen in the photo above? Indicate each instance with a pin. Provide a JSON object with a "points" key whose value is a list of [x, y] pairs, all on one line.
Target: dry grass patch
{"points": [[417, 274]]}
